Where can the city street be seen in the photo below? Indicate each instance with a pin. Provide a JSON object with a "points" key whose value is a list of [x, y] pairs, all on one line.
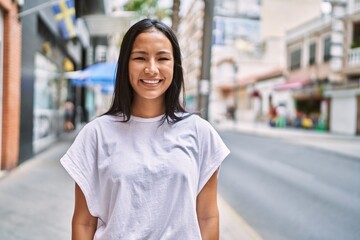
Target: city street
{"points": [[279, 81], [288, 187], [276, 184]]}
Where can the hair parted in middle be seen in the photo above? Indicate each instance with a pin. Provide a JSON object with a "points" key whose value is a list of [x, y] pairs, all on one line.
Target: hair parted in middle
{"points": [[123, 92]]}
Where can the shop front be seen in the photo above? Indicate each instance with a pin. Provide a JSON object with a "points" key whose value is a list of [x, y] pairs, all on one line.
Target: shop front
{"points": [[312, 108], [345, 111]]}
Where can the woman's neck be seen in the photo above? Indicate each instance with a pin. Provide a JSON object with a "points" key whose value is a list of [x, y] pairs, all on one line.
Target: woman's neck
{"points": [[147, 109]]}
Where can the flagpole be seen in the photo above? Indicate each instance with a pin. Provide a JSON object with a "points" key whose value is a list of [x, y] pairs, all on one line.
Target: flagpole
{"points": [[39, 7]]}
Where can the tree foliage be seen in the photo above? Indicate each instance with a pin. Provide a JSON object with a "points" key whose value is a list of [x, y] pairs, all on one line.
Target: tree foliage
{"points": [[147, 8], [175, 17]]}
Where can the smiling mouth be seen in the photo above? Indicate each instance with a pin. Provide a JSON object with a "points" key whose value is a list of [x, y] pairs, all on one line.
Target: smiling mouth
{"points": [[147, 81]]}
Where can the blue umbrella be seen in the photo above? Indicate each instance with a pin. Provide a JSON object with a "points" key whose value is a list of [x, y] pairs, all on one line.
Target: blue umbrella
{"points": [[98, 74]]}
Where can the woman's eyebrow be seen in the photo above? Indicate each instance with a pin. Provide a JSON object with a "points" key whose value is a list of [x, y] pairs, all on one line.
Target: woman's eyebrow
{"points": [[145, 53], [163, 52], [139, 52]]}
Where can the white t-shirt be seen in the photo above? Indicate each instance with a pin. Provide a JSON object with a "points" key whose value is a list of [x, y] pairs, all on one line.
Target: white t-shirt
{"points": [[141, 178]]}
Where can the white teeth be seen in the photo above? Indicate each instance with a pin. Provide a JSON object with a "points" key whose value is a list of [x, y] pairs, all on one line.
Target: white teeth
{"points": [[151, 81]]}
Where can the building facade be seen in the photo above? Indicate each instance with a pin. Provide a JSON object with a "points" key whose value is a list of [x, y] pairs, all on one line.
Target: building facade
{"points": [[322, 60], [309, 68], [10, 60], [256, 86], [236, 41], [47, 53], [190, 35], [345, 97]]}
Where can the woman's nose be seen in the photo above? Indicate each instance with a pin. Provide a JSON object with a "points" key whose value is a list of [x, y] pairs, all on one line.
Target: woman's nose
{"points": [[151, 68]]}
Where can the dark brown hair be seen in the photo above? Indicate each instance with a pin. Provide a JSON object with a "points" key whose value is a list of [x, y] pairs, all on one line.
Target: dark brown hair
{"points": [[123, 92]]}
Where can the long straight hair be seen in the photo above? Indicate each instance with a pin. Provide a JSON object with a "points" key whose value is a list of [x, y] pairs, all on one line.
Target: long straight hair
{"points": [[124, 93]]}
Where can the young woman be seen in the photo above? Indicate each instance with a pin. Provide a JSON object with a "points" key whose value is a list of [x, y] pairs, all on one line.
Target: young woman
{"points": [[146, 169]]}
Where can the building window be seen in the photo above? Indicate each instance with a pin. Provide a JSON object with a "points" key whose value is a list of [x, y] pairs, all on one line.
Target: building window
{"points": [[356, 5], [327, 46], [295, 59], [356, 35], [312, 54]]}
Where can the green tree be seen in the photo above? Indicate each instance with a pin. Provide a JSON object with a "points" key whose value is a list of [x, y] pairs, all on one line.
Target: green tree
{"points": [[175, 17], [147, 8]]}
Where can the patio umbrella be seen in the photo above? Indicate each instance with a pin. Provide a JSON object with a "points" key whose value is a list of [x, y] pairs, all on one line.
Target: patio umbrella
{"points": [[98, 74]]}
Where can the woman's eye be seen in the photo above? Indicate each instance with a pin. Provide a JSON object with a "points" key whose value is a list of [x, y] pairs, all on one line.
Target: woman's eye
{"points": [[164, 59], [139, 58]]}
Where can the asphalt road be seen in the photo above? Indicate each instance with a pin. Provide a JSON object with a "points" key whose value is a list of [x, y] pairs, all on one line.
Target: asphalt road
{"points": [[285, 189]]}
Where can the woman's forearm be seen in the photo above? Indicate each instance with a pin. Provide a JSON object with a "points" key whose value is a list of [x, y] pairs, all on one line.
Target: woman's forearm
{"points": [[84, 225], [209, 228], [81, 231]]}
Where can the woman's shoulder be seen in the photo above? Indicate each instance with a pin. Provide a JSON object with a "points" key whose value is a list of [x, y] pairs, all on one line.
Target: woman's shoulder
{"points": [[195, 120], [101, 122], [186, 117]]}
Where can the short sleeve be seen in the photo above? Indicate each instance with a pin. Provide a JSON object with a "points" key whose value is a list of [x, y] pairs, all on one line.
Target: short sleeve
{"points": [[80, 161], [212, 152]]}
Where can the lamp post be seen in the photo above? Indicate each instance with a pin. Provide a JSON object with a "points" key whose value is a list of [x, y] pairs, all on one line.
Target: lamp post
{"points": [[234, 91], [205, 82]]}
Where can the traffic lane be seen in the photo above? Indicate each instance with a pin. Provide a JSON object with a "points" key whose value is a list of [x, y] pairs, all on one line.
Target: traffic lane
{"points": [[267, 192], [293, 159]]}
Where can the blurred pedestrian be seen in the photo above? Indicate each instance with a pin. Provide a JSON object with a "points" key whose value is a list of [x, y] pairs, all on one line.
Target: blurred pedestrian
{"points": [[307, 122], [146, 169], [281, 119], [69, 109], [272, 116], [231, 112]]}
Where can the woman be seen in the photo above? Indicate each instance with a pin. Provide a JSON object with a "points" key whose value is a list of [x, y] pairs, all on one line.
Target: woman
{"points": [[69, 115], [146, 169]]}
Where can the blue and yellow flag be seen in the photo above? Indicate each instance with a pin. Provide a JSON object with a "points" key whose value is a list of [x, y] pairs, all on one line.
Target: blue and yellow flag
{"points": [[65, 17]]}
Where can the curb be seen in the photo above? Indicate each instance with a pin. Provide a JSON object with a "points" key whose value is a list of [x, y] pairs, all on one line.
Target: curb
{"points": [[232, 226]]}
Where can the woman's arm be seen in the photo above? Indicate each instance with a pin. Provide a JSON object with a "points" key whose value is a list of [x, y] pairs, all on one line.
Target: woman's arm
{"points": [[207, 210], [83, 223]]}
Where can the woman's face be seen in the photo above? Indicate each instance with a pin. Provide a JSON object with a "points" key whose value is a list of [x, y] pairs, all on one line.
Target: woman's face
{"points": [[151, 66]]}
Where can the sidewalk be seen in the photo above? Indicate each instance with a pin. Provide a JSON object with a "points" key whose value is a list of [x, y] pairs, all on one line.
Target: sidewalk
{"points": [[37, 201], [338, 143]]}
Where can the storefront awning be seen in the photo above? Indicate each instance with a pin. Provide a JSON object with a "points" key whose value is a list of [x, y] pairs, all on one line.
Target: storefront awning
{"points": [[103, 74], [291, 85]]}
